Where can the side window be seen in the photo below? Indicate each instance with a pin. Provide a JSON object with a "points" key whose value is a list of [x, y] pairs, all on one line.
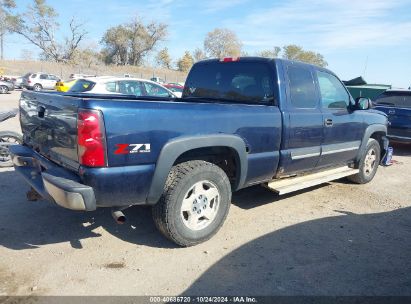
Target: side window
{"points": [[52, 77], [43, 76], [333, 94], [155, 90], [302, 88], [130, 88], [111, 87]]}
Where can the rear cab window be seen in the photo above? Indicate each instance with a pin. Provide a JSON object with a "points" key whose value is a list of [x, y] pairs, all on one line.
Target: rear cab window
{"points": [[243, 82], [302, 88]]}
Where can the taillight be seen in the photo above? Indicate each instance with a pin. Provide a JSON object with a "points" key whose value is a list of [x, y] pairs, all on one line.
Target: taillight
{"points": [[91, 140], [29, 81]]}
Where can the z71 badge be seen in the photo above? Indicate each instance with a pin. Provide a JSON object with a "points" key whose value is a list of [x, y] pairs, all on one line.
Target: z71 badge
{"points": [[132, 148]]}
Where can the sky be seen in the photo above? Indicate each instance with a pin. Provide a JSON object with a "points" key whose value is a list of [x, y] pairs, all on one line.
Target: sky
{"points": [[369, 38]]}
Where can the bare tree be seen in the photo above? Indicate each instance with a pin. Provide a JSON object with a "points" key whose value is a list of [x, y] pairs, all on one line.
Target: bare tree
{"points": [[39, 26], [5, 14], [221, 43], [26, 54], [199, 54], [132, 42]]}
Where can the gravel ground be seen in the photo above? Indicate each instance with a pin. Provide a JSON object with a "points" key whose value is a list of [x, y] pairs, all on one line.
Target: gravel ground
{"points": [[334, 239]]}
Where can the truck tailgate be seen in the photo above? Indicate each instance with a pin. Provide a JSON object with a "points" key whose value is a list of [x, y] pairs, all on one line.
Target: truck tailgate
{"points": [[49, 125]]}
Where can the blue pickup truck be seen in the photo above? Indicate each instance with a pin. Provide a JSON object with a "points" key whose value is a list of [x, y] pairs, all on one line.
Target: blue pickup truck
{"points": [[241, 122], [397, 105]]}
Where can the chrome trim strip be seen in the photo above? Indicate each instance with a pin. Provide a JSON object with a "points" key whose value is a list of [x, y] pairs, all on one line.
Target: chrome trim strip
{"points": [[343, 147], [305, 156], [339, 150], [301, 153]]}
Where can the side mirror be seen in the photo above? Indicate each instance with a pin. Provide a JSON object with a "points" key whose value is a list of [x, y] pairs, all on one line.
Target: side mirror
{"points": [[362, 103]]}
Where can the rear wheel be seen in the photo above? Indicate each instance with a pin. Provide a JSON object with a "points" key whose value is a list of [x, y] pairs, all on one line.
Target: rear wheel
{"points": [[195, 203], [8, 138], [4, 89], [368, 164], [37, 87]]}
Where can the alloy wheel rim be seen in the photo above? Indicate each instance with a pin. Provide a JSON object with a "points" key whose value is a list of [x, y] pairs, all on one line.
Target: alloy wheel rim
{"points": [[200, 205], [369, 162]]}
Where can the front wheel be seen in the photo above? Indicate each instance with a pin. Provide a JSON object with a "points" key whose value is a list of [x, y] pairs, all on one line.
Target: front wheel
{"points": [[195, 203], [368, 164], [8, 138]]}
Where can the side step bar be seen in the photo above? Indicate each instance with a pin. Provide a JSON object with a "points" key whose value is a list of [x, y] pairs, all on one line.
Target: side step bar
{"points": [[291, 184]]}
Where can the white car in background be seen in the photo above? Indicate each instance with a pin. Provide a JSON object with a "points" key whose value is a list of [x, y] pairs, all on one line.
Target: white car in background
{"points": [[123, 86], [39, 81]]}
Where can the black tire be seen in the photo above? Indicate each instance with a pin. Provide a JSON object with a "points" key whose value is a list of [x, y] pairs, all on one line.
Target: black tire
{"points": [[366, 174], [167, 213], [4, 89], [37, 87], [12, 138]]}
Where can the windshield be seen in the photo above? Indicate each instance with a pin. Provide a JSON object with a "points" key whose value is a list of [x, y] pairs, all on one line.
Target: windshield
{"points": [[249, 82]]}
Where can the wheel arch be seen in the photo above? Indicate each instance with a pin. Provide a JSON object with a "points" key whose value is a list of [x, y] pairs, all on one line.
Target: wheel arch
{"points": [[175, 150], [377, 132]]}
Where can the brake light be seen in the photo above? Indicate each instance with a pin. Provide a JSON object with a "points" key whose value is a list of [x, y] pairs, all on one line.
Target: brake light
{"points": [[229, 59], [91, 140]]}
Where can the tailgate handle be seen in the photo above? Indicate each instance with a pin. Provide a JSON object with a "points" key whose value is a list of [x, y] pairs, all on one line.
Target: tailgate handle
{"points": [[41, 111]]}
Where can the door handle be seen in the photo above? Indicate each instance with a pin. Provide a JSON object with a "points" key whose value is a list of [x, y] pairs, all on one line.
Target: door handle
{"points": [[328, 122], [391, 111]]}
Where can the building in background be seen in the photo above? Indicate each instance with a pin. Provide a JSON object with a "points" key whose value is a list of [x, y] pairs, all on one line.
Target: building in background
{"points": [[358, 87]]}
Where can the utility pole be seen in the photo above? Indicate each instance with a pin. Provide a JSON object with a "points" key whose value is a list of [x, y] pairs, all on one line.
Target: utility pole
{"points": [[1, 44]]}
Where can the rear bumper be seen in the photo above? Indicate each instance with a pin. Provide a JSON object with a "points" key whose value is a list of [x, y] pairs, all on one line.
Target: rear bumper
{"points": [[52, 182]]}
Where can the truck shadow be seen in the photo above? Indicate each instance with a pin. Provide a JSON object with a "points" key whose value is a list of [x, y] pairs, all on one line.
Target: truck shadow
{"points": [[348, 254], [256, 196], [29, 225]]}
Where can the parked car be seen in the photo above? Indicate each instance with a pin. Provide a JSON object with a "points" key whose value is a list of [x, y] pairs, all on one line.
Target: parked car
{"points": [[39, 81], [176, 89], [64, 86], [397, 105], [78, 76], [125, 86], [18, 82], [6, 86], [157, 79], [241, 122]]}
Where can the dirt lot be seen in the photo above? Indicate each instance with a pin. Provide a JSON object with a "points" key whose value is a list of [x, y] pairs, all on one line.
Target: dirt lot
{"points": [[335, 239]]}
